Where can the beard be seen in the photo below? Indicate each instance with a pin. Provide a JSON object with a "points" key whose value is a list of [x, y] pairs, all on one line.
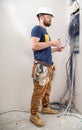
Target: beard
{"points": [[47, 24]]}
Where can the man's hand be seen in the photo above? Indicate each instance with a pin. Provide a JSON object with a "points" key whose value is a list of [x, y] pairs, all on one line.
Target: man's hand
{"points": [[57, 43], [60, 48], [55, 49]]}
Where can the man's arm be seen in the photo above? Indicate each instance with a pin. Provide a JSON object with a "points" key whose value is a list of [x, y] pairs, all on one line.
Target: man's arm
{"points": [[37, 45]]}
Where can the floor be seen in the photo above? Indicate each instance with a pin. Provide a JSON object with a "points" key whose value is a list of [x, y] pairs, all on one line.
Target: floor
{"points": [[20, 121]]}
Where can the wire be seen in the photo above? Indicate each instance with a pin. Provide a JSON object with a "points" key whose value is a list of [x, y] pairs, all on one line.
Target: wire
{"points": [[68, 114], [68, 78], [67, 105], [70, 70], [57, 105], [13, 111]]}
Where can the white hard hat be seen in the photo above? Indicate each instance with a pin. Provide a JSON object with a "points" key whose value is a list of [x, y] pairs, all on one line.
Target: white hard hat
{"points": [[44, 10]]}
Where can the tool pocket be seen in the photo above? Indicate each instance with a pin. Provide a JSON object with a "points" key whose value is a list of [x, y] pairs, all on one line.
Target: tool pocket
{"points": [[43, 76], [40, 74], [53, 72]]}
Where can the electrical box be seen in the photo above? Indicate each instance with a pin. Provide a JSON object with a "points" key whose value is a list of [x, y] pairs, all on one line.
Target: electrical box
{"points": [[74, 28], [74, 33]]}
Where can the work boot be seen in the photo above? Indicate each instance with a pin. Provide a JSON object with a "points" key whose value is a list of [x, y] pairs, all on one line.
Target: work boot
{"points": [[49, 110], [37, 120]]}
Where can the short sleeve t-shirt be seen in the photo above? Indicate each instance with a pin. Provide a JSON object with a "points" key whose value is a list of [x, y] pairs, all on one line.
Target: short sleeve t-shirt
{"points": [[43, 55]]}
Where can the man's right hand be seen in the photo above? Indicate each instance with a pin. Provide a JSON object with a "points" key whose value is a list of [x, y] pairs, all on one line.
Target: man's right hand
{"points": [[57, 43]]}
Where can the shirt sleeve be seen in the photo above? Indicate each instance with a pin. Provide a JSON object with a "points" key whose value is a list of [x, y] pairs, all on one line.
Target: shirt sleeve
{"points": [[36, 32]]}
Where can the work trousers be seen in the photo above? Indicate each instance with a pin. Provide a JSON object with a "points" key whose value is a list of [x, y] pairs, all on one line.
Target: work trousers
{"points": [[40, 93]]}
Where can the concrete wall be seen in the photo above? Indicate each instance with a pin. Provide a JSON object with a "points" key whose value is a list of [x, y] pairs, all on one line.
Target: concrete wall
{"points": [[17, 17], [79, 68], [78, 63]]}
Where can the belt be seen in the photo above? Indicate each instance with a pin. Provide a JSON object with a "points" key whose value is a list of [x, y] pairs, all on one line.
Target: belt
{"points": [[42, 63]]}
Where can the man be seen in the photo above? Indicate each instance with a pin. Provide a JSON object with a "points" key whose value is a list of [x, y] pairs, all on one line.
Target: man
{"points": [[43, 66]]}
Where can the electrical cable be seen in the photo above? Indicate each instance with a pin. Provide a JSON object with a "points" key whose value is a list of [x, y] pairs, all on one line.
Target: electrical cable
{"points": [[68, 114], [71, 92], [57, 106], [70, 70], [68, 79], [72, 87], [13, 111]]}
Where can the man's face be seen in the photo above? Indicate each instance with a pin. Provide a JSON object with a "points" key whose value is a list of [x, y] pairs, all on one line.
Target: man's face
{"points": [[47, 20]]}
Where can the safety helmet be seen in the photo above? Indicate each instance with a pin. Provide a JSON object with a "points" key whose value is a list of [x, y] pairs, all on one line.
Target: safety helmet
{"points": [[44, 10]]}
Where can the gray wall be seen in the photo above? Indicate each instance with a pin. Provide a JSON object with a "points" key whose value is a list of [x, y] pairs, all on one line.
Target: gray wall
{"points": [[17, 17]]}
